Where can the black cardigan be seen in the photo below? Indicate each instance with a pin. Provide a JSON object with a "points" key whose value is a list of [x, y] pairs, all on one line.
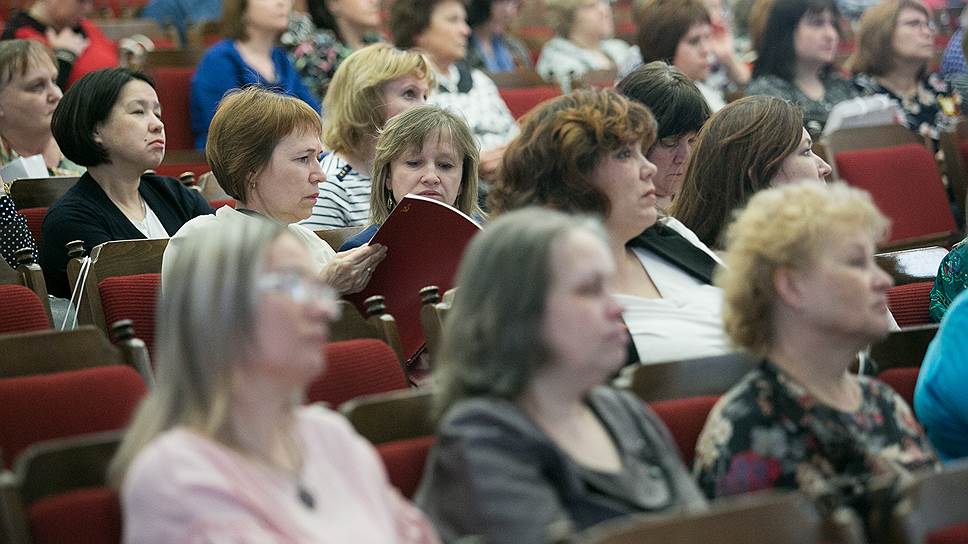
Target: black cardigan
{"points": [[86, 213]]}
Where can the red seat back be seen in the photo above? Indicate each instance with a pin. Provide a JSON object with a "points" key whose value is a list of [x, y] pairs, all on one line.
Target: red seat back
{"points": [[22, 310], [83, 515], [47, 406], [35, 220], [902, 381], [173, 84], [404, 460], [216, 204], [905, 184], [909, 303], [354, 368], [135, 298], [521, 100], [956, 534], [685, 419]]}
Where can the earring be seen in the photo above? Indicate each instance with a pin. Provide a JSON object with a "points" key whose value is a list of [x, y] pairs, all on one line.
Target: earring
{"points": [[390, 202]]}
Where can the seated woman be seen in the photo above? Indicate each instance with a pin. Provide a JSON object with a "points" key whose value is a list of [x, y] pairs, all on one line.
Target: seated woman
{"points": [[319, 42], [371, 86], [79, 45], [532, 446], [248, 56], [28, 96], [220, 451], [803, 292], [428, 151], [110, 122], [582, 153], [751, 144], [895, 43], [939, 398], [680, 110], [263, 148], [491, 47], [795, 56], [582, 41], [437, 28], [951, 280]]}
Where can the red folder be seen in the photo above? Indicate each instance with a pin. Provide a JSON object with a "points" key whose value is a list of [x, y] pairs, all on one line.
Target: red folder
{"points": [[425, 240]]}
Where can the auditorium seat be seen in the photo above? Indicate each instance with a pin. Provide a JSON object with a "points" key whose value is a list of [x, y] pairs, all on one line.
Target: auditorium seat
{"points": [[902, 381], [26, 274], [355, 368], [22, 310], [909, 303], [685, 419], [132, 297], [933, 509], [218, 203], [35, 220], [521, 100], [405, 460], [173, 84]]}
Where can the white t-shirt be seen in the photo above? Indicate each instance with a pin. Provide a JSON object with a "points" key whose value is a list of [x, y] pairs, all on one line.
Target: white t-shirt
{"points": [[151, 226]]}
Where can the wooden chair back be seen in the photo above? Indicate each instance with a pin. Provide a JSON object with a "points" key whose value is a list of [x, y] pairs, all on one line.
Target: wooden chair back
{"points": [[337, 237], [173, 57], [433, 311], [386, 417], [377, 324], [850, 139], [953, 141], [522, 77], [704, 376], [40, 192], [28, 274], [912, 265], [934, 502], [595, 78]]}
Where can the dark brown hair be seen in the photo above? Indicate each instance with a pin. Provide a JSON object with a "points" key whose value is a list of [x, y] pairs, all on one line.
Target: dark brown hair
{"points": [[662, 25]]}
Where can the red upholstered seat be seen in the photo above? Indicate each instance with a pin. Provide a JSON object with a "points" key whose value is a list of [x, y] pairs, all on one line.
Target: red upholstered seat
{"points": [[685, 419], [905, 184], [175, 169], [902, 381], [909, 303], [216, 204], [135, 298], [173, 84], [521, 100], [83, 515], [404, 460], [956, 534], [35, 219], [354, 368], [47, 406], [22, 310]]}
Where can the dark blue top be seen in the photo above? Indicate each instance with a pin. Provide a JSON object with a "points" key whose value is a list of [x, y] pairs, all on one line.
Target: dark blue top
{"points": [[182, 13], [222, 69], [363, 237]]}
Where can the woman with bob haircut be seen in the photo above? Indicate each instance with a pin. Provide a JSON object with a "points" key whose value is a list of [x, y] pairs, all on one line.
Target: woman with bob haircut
{"points": [[795, 56], [263, 148], [582, 153], [371, 86], [582, 43], [895, 43], [220, 450], [491, 47], [804, 293], [247, 56], [110, 122], [680, 111], [428, 151], [751, 144], [531, 445]]}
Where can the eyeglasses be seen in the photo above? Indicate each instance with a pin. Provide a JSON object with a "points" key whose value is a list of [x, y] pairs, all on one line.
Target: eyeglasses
{"points": [[300, 289], [919, 24]]}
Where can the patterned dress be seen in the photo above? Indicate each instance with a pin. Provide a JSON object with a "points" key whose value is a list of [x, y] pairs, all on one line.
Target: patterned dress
{"points": [[923, 112], [951, 280]]}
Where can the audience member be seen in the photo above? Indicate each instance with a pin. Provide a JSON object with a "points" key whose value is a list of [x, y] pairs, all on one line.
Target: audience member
{"points": [[183, 14], [491, 47], [79, 45], [248, 56], [110, 122], [372, 85], [751, 144], [939, 398], [803, 292], [795, 56], [264, 149], [582, 43], [428, 151], [957, 76], [28, 96], [895, 43], [320, 41], [438, 28], [531, 446], [582, 153], [680, 110], [951, 280], [220, 451]]}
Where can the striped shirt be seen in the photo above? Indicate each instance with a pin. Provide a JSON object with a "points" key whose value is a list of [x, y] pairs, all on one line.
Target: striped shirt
{"points": [[344, 198]]}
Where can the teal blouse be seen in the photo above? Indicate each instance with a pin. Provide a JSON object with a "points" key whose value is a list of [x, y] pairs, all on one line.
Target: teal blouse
{"points": [[951, 280]]}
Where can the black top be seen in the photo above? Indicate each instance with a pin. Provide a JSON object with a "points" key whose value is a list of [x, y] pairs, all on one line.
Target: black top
{"points": [[86, 213]]}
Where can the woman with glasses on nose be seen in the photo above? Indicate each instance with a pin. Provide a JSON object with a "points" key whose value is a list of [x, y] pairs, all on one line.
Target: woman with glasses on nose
{"points": [[221, 451], [583, 40]]}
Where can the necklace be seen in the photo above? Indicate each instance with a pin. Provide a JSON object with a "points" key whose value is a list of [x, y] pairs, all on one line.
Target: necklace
{"points": [[305, 496]]}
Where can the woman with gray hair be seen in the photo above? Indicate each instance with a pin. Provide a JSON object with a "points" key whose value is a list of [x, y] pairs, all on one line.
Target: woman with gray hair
{"points": [[531, 445], [220, 450]]}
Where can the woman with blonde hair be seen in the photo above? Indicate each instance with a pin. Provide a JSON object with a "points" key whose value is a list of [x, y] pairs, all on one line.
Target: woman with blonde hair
{"points": [[803, 292], [370, 86], [263, 148], [220, 450], [582, 43]]}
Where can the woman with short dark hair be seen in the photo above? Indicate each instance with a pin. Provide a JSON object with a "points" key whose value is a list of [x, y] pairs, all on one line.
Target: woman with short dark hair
{"points": [[110, 122], [491, 47]]}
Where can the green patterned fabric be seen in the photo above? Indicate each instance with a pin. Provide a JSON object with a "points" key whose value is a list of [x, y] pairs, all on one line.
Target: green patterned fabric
{"points": [[951, 280]]}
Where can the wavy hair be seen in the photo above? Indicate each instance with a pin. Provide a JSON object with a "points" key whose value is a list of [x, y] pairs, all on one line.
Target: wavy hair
{"points": [[874, 54]]}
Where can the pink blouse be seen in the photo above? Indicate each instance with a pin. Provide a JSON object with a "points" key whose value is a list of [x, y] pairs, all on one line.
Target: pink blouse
{"points": [[186, 488]]}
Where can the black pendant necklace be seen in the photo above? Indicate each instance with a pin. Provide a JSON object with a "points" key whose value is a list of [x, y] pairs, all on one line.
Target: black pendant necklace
{"points": [[305, 496]]}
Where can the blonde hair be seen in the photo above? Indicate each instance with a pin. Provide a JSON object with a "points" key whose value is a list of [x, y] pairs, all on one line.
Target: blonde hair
{"points": [[874, 54], [247, 126], [354, 103], [410, 130], [784, 227], [17, 56]]}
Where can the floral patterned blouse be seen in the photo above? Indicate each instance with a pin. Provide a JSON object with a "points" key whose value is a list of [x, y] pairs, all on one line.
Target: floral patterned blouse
{"points": [[923, 113], [769, 432], [951, 280]]}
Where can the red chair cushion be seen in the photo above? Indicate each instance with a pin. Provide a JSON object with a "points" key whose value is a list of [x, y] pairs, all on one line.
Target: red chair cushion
{"points": [[173, 84], [216, 204], [22, 310], [83, 515], [685, 419], [35, 219], [135, 298], [405, 460], [521, 100], [906, 186], [176, 169], [956, 534], [63, 404], [354, 368], [909, 303], [902, 381]]}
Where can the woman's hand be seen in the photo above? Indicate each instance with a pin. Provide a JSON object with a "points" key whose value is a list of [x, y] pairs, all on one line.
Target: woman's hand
{"points": [[350, 271], [68, 40]]}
